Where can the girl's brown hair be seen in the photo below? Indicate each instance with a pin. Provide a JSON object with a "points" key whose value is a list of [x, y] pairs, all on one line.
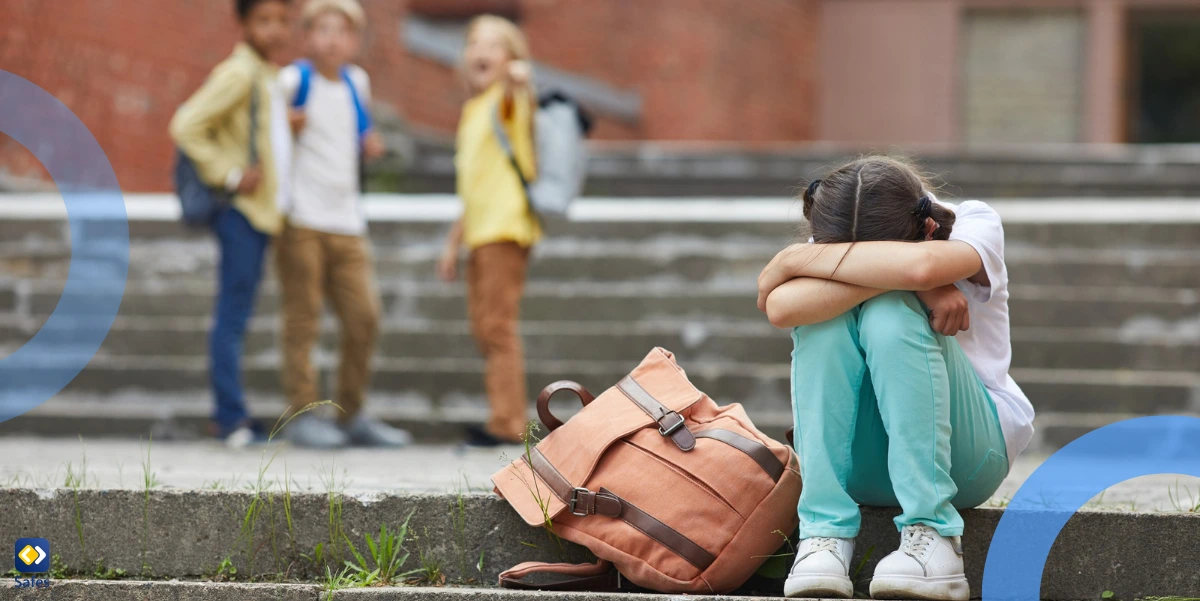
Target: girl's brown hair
{"points": [[873, 198]]}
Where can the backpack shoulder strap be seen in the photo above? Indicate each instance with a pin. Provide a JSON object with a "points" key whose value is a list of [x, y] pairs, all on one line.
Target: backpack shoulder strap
{"points": [[306, 73], [255, 100], [360, 109], [506, 144], [595, 577]]}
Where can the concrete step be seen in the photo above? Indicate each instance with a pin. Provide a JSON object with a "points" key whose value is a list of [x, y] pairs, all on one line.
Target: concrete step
{"points": [[673, 169], [1129, 223], [183, 414], [763, 388], [661, 261], [108, 590], [1145, 347], [471, 537], [1040, 306]]}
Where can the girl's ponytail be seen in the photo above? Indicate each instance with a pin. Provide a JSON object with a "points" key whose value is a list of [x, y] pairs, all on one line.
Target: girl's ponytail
{"points": [[944, 218]]}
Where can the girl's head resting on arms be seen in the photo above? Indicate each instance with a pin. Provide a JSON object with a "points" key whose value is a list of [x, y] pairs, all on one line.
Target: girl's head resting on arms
{"points": [[874, 198], [492, 43]]}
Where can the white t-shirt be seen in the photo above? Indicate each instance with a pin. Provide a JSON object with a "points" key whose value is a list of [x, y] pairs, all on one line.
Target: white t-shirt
{"points": [[281, 146], [987, 343], [325, 187]]}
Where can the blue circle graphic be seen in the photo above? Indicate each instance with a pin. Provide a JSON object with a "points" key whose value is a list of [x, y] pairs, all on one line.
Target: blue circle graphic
{"points": [[1144, 446], [99, 233]]}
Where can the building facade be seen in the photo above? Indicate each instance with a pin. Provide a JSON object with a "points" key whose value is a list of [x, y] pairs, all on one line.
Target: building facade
{"points": [[863, 73], [944, 72]]}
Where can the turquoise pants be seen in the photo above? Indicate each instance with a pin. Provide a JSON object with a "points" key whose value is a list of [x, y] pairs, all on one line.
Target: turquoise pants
{"points": [[889, 413]]}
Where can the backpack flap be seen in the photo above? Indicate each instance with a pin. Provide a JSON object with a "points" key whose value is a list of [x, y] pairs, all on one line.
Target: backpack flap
{"points": [[569, 454]]}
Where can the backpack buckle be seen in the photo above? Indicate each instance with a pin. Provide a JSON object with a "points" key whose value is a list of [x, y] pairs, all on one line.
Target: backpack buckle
{"points": [[574, 501], [669, 430]]}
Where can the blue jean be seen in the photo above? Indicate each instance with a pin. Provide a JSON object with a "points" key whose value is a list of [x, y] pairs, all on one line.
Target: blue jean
{"points": [[242, 249], [889, 413]]}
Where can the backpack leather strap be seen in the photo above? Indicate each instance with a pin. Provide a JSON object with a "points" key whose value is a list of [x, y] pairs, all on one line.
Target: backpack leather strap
{"points": [[670, 423], [599, 576], [543, 401], [754, 449], [582, 502]]}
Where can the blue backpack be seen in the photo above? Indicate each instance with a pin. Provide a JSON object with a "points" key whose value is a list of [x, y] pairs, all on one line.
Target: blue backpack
{"points": [[306, 74]]}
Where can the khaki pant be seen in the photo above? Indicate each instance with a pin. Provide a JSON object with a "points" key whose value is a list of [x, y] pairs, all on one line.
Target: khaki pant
{"points": [[495, 280], [313, 265]]}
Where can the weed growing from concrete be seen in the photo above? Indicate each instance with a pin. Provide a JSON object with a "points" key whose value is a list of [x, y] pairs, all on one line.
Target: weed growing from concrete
{"points": [[101, 572], [58, 568], [860, 578], [530, 439], [332, 548], [388, 555], [150, 481], [335, 582], [458, 523], [1189, 505], [431, 570], [75, 481], [225, 570]]}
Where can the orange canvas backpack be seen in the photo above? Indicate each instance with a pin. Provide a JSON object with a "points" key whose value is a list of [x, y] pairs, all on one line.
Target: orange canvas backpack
{"points": [[681, 495]]}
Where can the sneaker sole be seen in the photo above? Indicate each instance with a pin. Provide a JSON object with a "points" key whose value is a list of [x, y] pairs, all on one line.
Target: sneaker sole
{"points": [[819, 587], [948, 588]]}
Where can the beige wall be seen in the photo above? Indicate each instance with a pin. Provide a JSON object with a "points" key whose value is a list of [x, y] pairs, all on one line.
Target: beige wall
{"points": [[1022, 75], [888, 71], [891, 71]]}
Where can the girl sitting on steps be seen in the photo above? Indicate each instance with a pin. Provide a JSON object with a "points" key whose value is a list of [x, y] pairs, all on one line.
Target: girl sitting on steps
{"points": [[900, 389]]}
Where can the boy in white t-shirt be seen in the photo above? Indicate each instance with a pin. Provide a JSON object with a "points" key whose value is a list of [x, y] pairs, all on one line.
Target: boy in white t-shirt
{"points": [[322, 251]]}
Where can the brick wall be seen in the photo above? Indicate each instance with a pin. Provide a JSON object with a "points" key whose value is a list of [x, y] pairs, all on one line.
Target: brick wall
{"points": [[706, 69]]}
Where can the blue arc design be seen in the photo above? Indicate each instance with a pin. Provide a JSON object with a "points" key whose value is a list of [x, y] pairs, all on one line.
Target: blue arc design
{"points": [[1071, 477], [99, 230]]}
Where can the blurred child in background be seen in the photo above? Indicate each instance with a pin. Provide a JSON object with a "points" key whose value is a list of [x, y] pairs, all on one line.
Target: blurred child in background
{"points": [[213, 128], [497, 225], [322, 251]]}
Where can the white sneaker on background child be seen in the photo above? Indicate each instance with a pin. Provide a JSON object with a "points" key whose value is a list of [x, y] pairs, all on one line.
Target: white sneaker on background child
{"points": [[822, 569], [926, 566]]}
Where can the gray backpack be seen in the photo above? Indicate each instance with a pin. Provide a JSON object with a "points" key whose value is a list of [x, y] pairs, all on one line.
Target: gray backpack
{"points": [[561, 126]]}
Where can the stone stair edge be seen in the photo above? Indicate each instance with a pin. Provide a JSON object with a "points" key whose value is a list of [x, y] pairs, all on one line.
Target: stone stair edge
{"points": [[186, 548]]}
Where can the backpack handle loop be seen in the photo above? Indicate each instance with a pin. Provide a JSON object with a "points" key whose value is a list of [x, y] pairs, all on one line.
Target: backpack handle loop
{"points": [[543, 401]]}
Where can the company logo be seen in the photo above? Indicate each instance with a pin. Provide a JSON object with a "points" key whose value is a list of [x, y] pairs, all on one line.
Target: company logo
{"points": [[32, 555]]}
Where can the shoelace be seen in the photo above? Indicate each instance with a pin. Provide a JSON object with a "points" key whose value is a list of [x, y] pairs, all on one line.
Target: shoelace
{"points": [[820, 543], [915, 541]]}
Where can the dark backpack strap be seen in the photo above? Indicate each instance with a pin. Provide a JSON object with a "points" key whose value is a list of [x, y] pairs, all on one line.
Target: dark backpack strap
{"points": [[254, 102], [596, 577], [670, 423], [506, 144]]}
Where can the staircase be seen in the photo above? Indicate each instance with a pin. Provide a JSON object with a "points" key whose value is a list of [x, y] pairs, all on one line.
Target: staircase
{"points": [[1105, 312]]}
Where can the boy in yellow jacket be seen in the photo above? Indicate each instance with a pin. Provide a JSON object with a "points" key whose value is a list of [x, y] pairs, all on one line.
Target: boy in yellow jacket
{"points": [[213, 129]]}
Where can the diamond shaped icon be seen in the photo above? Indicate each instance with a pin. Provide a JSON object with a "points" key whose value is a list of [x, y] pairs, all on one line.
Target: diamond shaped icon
{"points": [[31, 555]]}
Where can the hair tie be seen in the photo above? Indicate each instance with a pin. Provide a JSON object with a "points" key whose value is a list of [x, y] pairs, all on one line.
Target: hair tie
{"points": [[924, 208], [812, 188]]}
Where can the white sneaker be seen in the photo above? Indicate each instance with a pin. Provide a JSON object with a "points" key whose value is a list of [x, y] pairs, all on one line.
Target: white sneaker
{"points": [[927, 566], [822, 569]]}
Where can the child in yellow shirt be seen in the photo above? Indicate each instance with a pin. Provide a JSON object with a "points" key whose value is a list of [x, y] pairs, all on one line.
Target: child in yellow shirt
{"points": [[497, 225]]}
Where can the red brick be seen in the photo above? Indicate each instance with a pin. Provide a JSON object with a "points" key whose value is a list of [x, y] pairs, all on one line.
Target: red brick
{"points": [[705, 69]]}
